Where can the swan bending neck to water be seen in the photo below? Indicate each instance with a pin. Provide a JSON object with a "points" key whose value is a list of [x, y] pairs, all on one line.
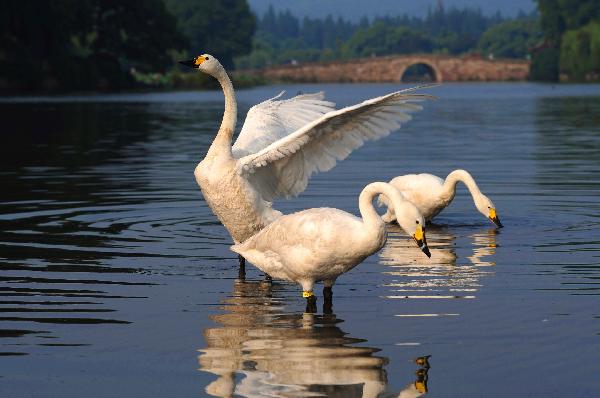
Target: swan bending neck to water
{"points": [[281, 144], [320, 244], [431, 194]]}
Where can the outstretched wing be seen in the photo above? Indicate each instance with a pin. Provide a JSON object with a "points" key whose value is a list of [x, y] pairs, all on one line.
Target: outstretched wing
{"points": [[274, 119], [284, 167]]}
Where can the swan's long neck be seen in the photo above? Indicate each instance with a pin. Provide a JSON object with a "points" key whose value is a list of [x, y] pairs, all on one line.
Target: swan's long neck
{"points": [[365, 202], [453, 178], [222, 142]]}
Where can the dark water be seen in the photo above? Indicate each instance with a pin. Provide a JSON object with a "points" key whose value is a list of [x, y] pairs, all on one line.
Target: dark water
{"points": [[116, 279]]}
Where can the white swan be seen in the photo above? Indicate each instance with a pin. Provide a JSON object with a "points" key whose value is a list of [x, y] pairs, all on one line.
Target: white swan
{"points": [[280, 145], [431, 194], [320, 244]]}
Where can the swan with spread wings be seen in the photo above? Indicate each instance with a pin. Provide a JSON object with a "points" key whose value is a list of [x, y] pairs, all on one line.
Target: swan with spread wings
{"points": [[281, 144]]}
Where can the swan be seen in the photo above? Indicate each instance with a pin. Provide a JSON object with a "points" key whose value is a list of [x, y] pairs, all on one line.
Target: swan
{"points": [[281, 144], [320, 244], [431, 194]]}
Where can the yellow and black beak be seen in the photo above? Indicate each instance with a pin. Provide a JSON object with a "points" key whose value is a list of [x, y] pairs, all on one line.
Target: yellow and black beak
{"points": [[194, 63], [419, 237], [494, 218]]}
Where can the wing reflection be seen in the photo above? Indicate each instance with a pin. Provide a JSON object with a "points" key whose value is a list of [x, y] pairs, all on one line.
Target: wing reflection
{"points": [[439, 277], [285, 354]]}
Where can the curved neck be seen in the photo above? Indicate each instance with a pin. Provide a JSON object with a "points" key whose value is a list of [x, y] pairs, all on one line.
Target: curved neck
{"points": [[460, 175], [222, 142], [365, 201]]}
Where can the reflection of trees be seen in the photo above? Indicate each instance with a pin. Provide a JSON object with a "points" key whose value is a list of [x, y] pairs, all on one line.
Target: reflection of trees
{"points": [[430, 278], [564, 133], [88, 165], [282, 354], [567, 148]]}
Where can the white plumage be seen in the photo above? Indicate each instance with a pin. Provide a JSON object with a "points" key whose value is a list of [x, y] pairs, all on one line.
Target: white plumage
{"points": [[431, 194], [321, 244], [282, 143], [317, 145]]}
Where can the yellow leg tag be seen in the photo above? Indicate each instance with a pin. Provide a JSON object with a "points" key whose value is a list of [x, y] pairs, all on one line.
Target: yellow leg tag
{"points": [[307, 294]]}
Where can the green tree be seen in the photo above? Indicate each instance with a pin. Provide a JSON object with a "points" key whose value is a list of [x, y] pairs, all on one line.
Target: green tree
{"points": [[79, 44], [223, 28], [381, 39], [132, 34], [511, 39], [558, 17], [544, 64], [35, 44], [580, 52], [283, 38]]}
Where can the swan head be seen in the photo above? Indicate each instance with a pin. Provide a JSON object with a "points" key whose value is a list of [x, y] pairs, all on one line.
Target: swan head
{"points": [[205, 63], [487, 208], [412, 222]]}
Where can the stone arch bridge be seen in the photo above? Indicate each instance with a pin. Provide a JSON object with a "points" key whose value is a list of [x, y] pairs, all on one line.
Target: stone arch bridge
{"points": [[439, 68]]}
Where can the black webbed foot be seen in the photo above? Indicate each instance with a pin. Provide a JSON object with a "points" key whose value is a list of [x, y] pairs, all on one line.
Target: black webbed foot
{"points": [[311, 304]]}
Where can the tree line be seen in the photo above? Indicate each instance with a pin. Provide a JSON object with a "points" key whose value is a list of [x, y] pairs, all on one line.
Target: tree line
{"points": [[571, 47], [62, 45], [283, 38]]}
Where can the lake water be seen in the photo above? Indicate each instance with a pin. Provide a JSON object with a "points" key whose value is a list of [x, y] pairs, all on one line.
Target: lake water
{"points": [[117, 280]]}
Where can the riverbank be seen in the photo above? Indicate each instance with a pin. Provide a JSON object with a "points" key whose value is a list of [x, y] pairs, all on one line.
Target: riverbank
{"points": [[173, 80], [388, 69]]}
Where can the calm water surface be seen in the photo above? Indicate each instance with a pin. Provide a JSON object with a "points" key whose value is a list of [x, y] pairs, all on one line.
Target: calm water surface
{"points": [[116, 279]]}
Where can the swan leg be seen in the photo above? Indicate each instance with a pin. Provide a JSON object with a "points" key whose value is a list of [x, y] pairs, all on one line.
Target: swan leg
{"points": [[307, 293], [311, 302], [328, 299], [242, 270]]}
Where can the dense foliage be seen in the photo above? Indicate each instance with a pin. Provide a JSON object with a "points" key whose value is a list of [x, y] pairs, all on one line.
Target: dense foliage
{"points": [[83, 44], [572, 37], [381, 39], [113, 44], [511, 39], [580, 52], [283, 38], [108, 44], [223, 28]]}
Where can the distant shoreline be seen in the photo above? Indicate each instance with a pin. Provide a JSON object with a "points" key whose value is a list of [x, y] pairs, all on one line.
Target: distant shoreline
{"points": [[394, 68]]}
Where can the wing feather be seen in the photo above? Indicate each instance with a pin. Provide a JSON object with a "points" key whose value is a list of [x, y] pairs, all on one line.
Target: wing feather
{"points": [[282, 168], [274, 119]]}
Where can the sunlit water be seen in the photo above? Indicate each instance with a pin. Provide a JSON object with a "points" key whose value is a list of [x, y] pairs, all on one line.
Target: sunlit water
{"points": [[116, 279]]}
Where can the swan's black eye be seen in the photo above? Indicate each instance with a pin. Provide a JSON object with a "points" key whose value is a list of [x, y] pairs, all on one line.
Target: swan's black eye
{"points": [[206, 59], [417, 221]]}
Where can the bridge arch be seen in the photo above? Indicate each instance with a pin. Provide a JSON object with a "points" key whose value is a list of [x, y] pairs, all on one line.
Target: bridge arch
{"points": [[423, 64]]}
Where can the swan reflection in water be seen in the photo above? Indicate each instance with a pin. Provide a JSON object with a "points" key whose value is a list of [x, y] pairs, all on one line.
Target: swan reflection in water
{"points": [[280, 354], [442, 276]]}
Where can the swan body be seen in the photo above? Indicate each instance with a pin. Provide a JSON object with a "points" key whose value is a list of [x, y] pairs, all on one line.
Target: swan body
{"points": [[236, 203], [320, 244], [431, 194], [281, 144]]}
